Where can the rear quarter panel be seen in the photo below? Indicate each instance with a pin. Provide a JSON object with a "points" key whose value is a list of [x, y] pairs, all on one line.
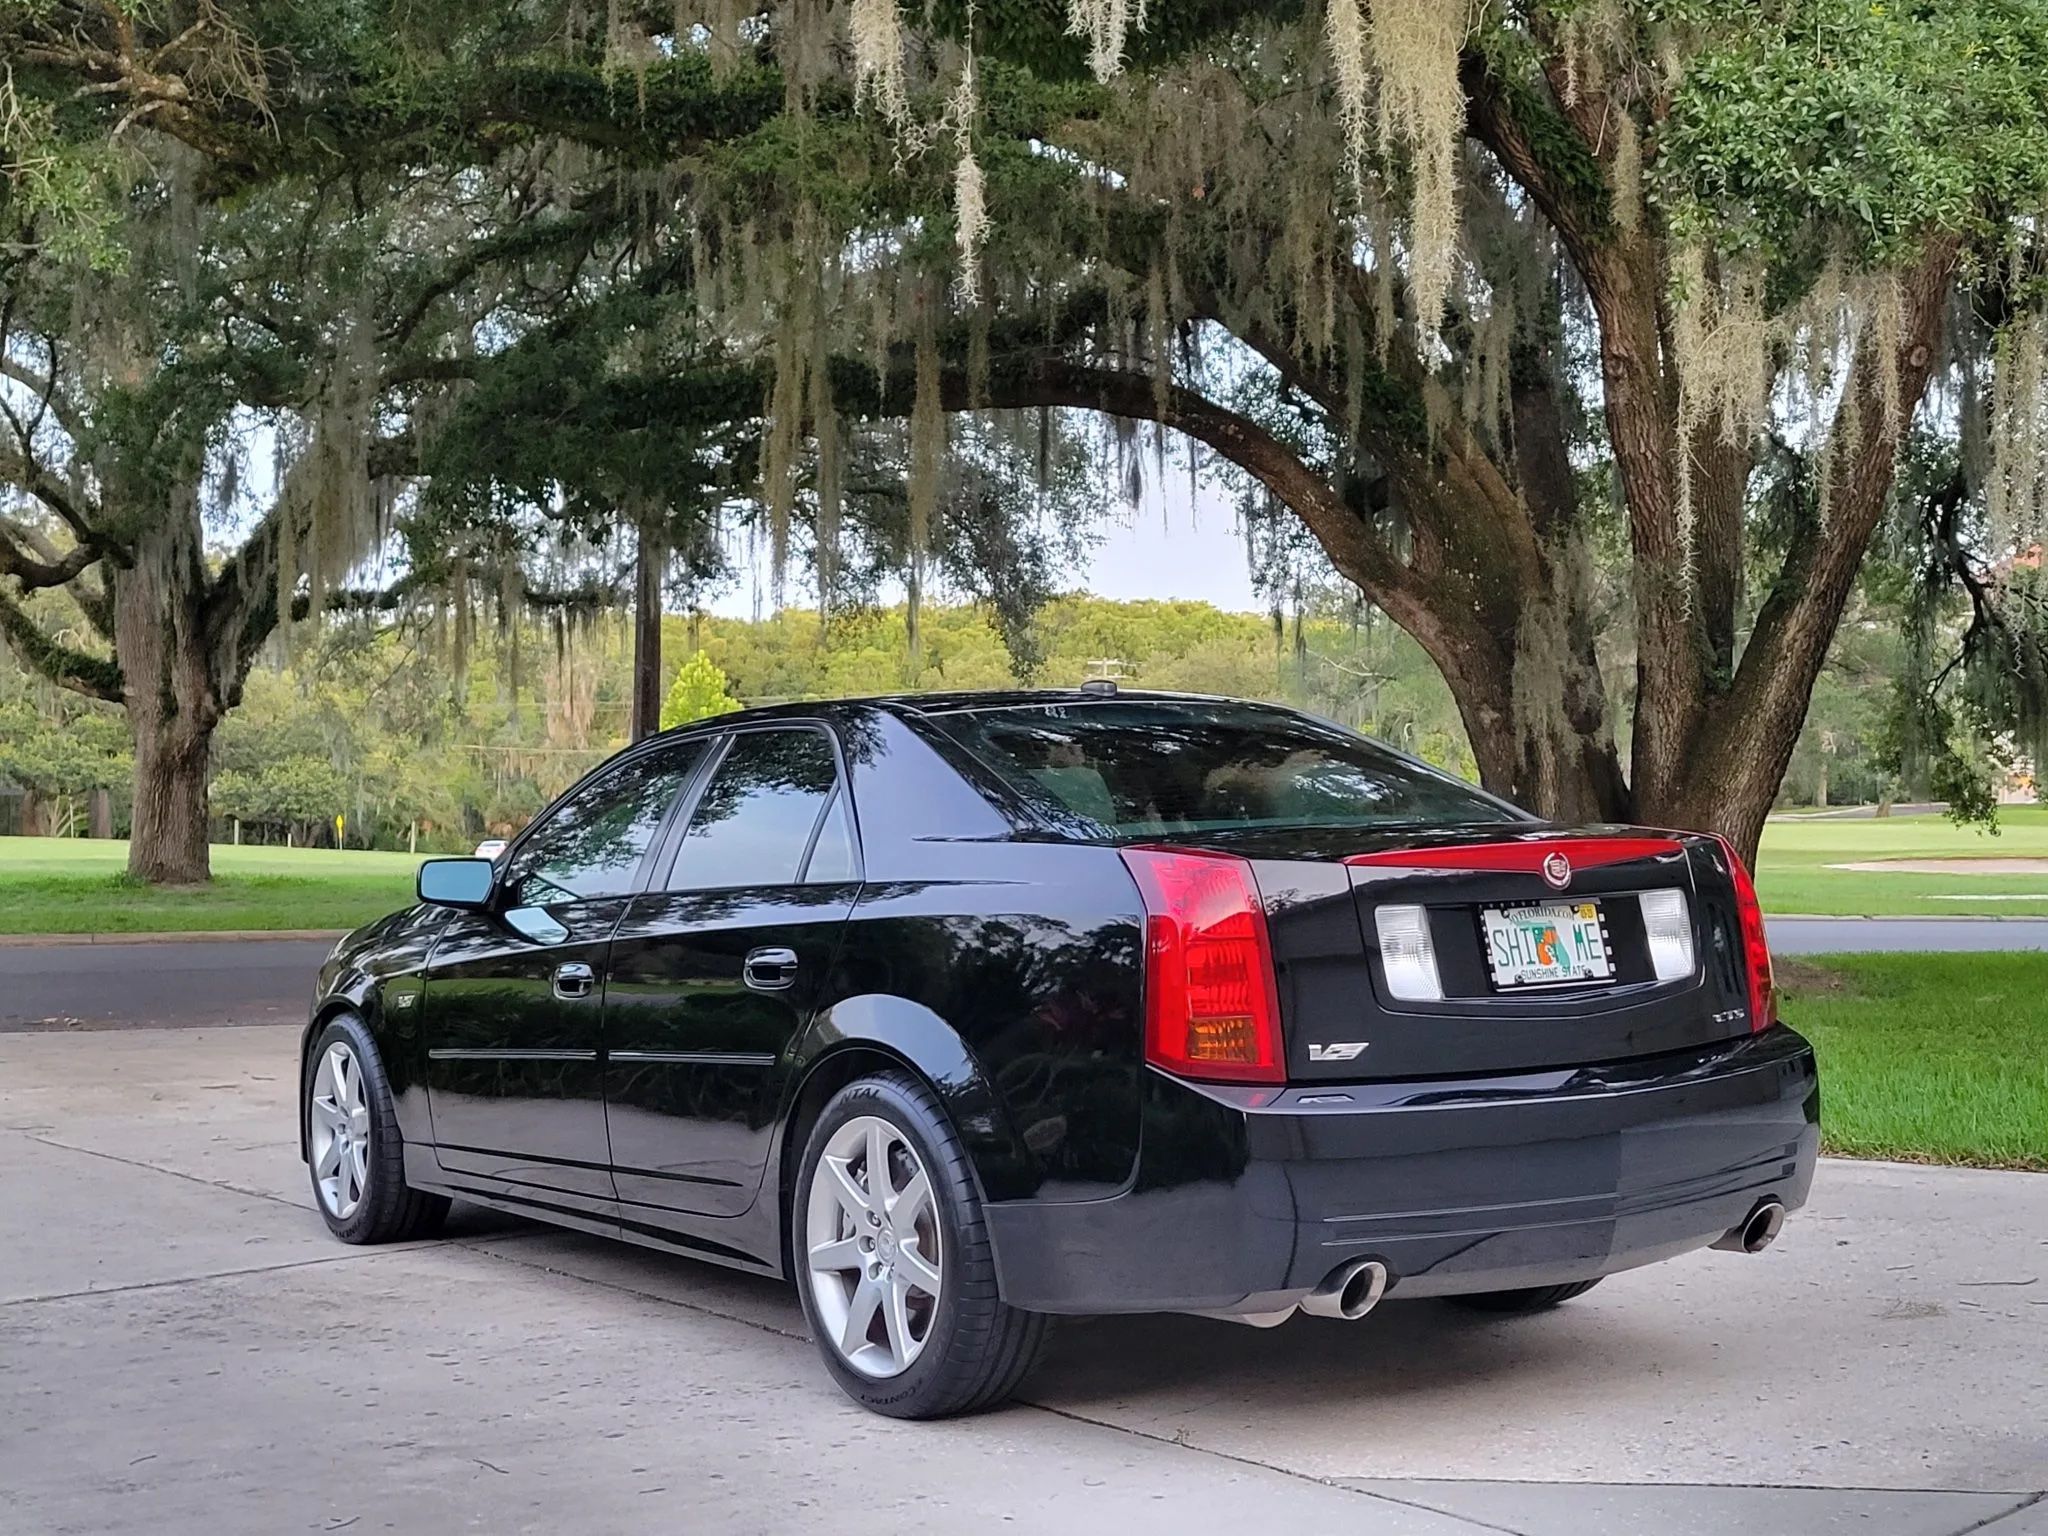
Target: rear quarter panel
{"points": [[1028, 952]]}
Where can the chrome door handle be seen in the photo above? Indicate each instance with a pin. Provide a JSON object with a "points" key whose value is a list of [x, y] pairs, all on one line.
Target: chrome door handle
{"points": [[574, 981], [770, 970]]}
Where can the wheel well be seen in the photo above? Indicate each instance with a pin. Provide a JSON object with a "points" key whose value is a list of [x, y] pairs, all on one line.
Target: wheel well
{"points": [[831, 1072]]}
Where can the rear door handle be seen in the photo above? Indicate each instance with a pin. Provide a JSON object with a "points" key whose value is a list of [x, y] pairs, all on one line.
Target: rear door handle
{"points": [[574, 981], [770, 970]]}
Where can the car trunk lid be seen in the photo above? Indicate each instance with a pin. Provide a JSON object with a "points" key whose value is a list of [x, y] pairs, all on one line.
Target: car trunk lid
{"points": [[1549, 948]]}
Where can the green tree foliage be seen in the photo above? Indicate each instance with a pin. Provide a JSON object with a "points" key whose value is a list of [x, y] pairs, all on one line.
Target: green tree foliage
{"points": [[698, 693], [62, 754], [1406, 269], [302, 795]]}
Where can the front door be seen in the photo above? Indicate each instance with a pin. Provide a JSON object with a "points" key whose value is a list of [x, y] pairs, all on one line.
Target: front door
{"points": [[715, 971], [514, 997]]}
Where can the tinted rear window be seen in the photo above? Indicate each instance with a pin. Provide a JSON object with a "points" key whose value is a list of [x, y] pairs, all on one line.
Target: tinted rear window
{"points": [[1157, 769]]}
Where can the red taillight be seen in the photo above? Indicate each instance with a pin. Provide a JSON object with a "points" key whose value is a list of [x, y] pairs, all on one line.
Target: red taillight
{"points": [[1211, 1007], [1756, 948]]}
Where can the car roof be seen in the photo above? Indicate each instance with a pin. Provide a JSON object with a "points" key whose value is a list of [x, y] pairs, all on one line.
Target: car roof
{"points": [[952, 701]]}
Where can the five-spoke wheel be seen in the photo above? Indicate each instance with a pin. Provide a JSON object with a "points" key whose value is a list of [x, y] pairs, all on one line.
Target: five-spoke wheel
{"points": [[354, 1149], [892, 1257], [872, 1234], [339, 1131]]}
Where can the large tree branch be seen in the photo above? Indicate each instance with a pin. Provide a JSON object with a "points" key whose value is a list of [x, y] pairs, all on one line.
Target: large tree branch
{"points": [[240, 607], [1420, 604], [48, 400], [1798, 619], [34, 562], [31, 476], [93, 676]]}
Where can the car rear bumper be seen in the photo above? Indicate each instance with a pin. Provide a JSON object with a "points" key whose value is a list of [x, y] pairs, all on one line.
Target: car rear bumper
{"points": [[1247, 1198]]}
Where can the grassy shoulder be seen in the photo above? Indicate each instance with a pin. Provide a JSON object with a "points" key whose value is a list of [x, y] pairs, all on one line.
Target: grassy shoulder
{"points": [[1928, 1058], [1795, 870], [73, 885]]}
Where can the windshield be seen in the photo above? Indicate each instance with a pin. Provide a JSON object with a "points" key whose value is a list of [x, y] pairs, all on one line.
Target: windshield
{"points": [[1153, 768]]}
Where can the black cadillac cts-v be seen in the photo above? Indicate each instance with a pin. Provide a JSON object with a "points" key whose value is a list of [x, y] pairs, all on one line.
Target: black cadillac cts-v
{"points": [[967, 1010]]}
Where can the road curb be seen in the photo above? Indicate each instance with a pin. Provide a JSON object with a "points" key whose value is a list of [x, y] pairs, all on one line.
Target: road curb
{"points": [[209, 936]]}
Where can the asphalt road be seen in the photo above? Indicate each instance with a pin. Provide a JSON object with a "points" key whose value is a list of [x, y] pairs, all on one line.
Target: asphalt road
{"points": [[216, 981], [187, 1353], [1831, 935]]}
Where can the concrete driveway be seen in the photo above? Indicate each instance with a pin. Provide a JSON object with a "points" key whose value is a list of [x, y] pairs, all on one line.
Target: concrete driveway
{"points": [[184, 1350]]}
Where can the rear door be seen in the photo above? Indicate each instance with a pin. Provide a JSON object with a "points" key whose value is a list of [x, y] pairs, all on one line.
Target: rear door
{"points": [[715, 971], [514, 997]]}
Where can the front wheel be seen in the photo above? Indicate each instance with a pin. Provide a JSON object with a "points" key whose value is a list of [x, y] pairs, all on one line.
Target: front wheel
{"points": [[893, 1263], [354, 1149]]}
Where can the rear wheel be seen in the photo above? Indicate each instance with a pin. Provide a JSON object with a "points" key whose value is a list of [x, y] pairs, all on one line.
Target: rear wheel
{"points": [[1539, 1298], [354, 1149], [893, 1263]]}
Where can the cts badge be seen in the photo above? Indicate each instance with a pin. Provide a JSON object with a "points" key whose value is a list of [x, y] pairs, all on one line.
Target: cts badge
{"points": [[1339, 1050]]}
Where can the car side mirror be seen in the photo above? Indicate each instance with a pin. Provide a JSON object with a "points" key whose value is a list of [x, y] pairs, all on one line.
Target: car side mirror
{"points": [[464, 884]]}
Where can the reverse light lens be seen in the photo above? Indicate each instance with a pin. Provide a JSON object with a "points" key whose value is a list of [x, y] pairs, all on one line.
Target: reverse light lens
{"points": [[1212, 1009], [1667, 923], [1756, 948], [1407, 954]]}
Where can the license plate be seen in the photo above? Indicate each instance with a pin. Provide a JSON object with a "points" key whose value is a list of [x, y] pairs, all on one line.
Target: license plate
{"points": [[1546, 944]]}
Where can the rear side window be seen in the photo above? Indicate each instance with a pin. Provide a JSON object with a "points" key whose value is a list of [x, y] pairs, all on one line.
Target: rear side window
{"points": [[1143, 768], [756, 820]]}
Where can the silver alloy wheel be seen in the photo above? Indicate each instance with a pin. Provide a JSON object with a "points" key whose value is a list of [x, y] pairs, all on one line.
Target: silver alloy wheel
{"points": [[871, 1236], [340, 1125]]}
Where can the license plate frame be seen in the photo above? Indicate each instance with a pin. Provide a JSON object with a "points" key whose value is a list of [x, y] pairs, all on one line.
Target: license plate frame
{"points": [[1535, 945]]}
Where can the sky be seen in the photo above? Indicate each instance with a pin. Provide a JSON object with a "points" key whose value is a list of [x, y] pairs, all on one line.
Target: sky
{"points": [[1172, 545]]}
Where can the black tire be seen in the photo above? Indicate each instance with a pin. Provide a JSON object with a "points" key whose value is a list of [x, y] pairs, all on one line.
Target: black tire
{"points": [[1539, 1298], [978, 1349], [389, 1210]]}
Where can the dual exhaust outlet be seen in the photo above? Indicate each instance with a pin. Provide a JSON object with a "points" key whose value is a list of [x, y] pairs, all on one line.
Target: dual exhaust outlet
{"points": [[1755, 1232], [1355, 1287], [1349, 1291]]}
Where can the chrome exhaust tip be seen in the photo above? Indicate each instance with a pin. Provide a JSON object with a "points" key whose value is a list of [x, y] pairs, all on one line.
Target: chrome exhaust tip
{"points": [[1271, 1319], [1350, 1291], [1757, 1232]]}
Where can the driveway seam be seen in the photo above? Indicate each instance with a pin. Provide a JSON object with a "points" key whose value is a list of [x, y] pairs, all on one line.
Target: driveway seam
{"points": [[2018, 1509], [2026, 1496], [477, 1245], [190, 1178], [1020, 1401], [177, 1280], [1339, 1484]]}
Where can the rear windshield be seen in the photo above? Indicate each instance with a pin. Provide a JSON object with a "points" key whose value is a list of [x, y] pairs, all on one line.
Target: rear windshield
{"points": [[1145, 768]]}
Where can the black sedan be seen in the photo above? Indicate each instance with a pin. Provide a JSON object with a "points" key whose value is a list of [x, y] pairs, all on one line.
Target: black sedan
{"points": [[968, 1010]]}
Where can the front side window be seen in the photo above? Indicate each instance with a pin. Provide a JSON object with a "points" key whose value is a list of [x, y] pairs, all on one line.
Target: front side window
{"points": [[1150, 768], [592, 844], [757, 818]]}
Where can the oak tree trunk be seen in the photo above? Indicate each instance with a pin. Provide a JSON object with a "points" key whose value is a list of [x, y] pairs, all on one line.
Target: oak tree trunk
{"points": [[647, 632], [171, 696]]}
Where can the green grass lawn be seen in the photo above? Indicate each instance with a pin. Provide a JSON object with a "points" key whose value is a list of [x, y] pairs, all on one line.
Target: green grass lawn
{"points": [[1793, 874], [74, 885], [1928, 1058], [69, 885]]}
